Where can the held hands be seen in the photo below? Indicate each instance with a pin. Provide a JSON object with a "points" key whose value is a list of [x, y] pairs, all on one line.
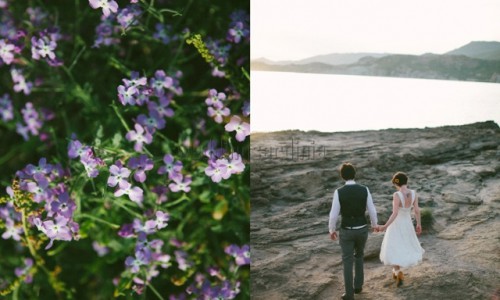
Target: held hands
{"points": [[378, 228]]}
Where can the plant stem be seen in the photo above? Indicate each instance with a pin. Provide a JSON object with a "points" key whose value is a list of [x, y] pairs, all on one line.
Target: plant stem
{"points": [[155, 291], [114, 226], [118, 203], [28, 241], [182, 198], [115, 108]]}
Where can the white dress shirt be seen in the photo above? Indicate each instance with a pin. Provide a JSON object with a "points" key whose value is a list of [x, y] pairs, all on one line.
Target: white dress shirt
{"points": [[335, 211]]}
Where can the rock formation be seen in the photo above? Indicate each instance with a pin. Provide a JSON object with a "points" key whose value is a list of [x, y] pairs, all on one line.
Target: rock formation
{"points": [[455, 170]]}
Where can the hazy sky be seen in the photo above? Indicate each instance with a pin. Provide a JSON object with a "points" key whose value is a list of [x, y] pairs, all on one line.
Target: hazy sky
{"points": [[296, 29]]}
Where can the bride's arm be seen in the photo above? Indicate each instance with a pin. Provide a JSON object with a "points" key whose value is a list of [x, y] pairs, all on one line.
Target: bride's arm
{"points": [[395, 210]]}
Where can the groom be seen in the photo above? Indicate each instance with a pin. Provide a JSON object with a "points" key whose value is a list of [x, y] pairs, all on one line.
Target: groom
{"points": [[351, 201]]}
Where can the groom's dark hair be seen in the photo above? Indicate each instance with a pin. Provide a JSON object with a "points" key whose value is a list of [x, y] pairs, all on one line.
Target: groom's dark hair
{"points": [[347, 171]]}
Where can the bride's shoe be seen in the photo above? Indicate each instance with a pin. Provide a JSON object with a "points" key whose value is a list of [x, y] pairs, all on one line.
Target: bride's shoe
{"points": [[399, 279], [394, 274]]}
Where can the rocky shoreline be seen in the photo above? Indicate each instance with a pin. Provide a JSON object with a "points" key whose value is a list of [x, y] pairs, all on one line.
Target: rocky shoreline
{"points": [[455, 170]]}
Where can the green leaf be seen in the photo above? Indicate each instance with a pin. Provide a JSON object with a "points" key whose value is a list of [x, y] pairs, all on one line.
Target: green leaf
{"points": [[220, 210], [205, 196], [117, 139]]}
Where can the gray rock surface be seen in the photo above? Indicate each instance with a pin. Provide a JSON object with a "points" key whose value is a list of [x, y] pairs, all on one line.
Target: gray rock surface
{"points": [[455, 170]]}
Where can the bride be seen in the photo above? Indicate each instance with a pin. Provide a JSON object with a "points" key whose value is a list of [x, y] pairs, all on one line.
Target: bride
{"points": [[400, 247]]}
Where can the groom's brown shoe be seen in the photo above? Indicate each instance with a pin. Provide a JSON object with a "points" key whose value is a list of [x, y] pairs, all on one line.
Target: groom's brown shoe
{"points": [[399, 280]]}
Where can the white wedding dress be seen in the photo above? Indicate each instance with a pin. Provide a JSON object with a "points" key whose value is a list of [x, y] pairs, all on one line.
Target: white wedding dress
{"points": [[400, 245]]}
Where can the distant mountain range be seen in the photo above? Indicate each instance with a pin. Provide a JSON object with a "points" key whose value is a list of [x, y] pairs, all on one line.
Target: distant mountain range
{"points": [[476, 61]]}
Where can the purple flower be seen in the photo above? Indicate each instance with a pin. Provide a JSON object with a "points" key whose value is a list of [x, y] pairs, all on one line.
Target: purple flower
{"points": [[152, 122], [142, 257], [25, 271], [219, 51], [180, 184], [142, 230], [215, 99], [118, 174], [126, 94], [37, 16], [12, 231], [7, 29], [242, 128], [182, 260], [240, 17], [237, 32], [241, 255], [163, 33], [135, 80], [235, 164], [164, 260], [40, 172], [63, 206], [140, 164], [218, 170], [173, 168], [217, 73], [161, 192], [56, 231], [76, 149], [160, 82], [20, 83], [107, 6], [43, 47], [129, 16], [40, 193], [6, 51], [100, 249], [161, 220], [31, 118], [212, 152], [162, 107], [104, 32], [126, 231], [6, 108], [91, 164], [204, 289], [246, 108], [134, 193], [23, 131], [218, 113], [140, 136]]}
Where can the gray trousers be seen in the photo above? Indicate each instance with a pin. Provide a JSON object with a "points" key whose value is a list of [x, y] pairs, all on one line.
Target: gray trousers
{"points": [[353, 243]]}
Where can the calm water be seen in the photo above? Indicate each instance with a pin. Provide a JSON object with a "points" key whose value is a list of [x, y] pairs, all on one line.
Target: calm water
{"points": [[281, 101]]}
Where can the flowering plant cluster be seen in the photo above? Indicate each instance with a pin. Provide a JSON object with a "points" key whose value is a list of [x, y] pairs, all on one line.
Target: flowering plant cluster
{"points": [[125, 128]]}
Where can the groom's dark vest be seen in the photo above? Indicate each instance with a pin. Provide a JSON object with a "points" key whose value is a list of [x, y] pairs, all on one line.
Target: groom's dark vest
{"points": [[352, 199]]}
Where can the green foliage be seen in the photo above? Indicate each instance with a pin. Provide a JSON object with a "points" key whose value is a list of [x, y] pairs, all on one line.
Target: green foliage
{"points": [[426, 219], [82, 94]]}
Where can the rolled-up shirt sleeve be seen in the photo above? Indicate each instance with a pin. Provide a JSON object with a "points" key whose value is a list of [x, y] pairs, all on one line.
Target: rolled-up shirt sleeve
{"points": [[371, 209], [334, 212]]}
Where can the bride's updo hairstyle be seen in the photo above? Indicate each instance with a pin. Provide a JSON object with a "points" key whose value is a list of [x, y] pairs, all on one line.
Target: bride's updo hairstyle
{"points": [[400, 179]]}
